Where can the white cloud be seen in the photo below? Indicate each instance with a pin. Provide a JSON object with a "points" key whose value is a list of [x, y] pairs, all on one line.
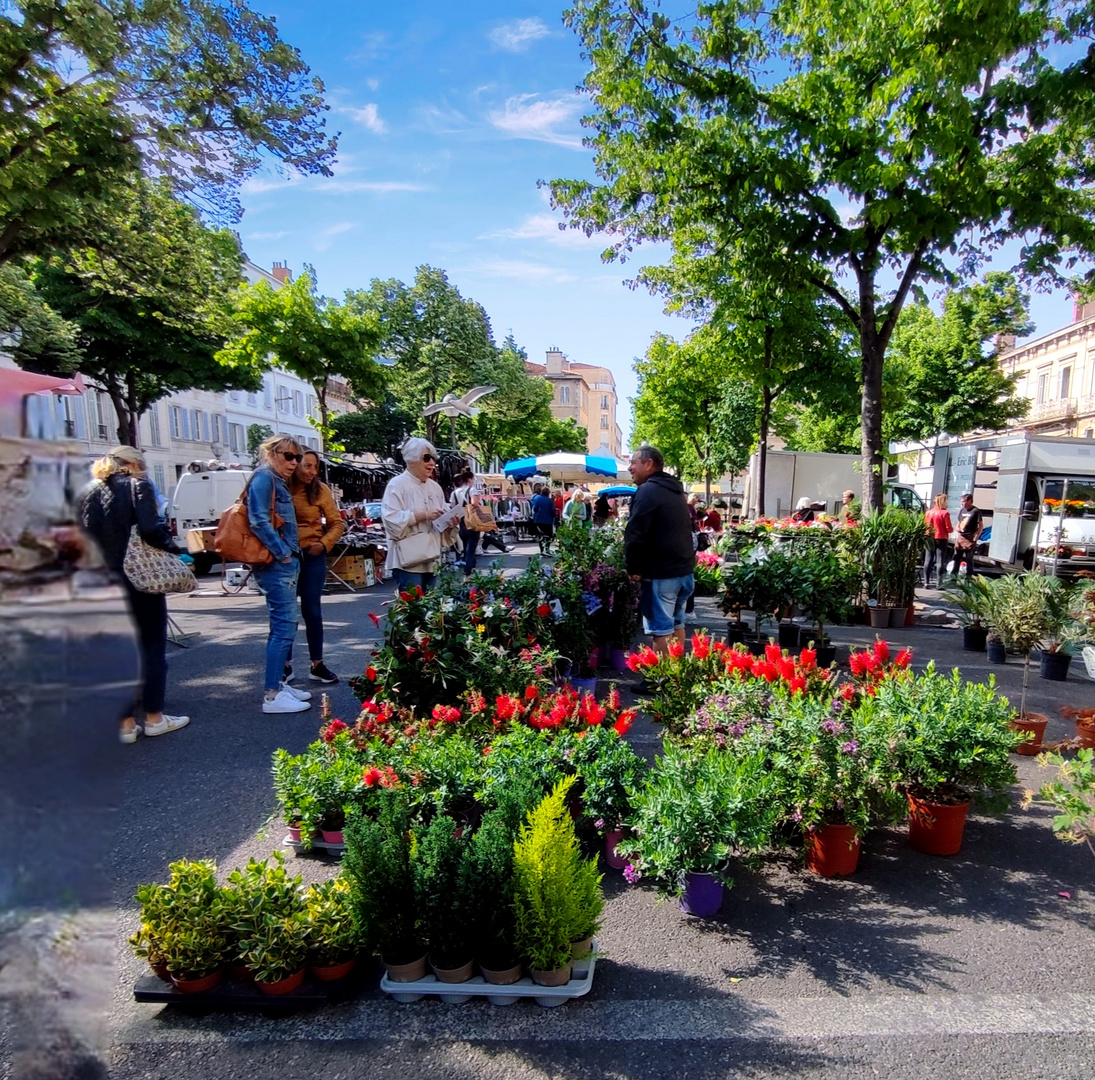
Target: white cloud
{"points": [[546, 227], [324, 241], [266, 235], [373, 84], [367, 116], [519, 271], [322, 185], [518, 35], [526, 117]]}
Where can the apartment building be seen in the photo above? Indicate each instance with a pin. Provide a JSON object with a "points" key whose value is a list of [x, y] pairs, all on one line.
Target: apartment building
{"points": [[1057, 373], [585, 393]]}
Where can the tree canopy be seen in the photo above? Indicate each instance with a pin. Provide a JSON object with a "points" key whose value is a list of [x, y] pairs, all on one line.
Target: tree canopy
{"points": [[197, 92], [860, 145]]}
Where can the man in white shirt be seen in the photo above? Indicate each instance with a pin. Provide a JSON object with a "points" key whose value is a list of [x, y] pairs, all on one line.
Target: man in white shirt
{"points": [[412, 501]]}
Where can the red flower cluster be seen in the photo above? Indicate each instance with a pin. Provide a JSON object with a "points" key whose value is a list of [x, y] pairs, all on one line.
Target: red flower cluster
{"points": [[873, 666], [411, 594], [544, 610], [448, 714], [385, 777], [331, 730]]}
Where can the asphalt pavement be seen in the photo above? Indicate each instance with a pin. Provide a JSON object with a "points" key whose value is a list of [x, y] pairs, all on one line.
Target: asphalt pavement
{"points": [[978, 965]]}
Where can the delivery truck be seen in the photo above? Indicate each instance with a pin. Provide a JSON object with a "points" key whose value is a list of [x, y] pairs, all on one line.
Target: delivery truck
{"points": [[201, 496]]}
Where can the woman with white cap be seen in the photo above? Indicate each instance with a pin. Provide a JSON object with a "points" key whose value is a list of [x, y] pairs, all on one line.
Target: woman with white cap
{"points": [[412, 501], [803, 511]]}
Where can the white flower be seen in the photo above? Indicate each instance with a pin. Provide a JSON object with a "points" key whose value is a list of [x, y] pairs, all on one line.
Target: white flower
{"points": [[488, 611], [447, 604]]}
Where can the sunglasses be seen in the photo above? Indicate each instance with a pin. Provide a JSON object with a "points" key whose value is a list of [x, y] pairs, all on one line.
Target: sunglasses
{"points": [[428, 457], [292, 457]]}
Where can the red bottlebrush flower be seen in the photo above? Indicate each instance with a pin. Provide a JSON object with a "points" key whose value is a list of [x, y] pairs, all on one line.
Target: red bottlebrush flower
{"points": [[418, 594], [701, 646], [633, 662], [486, 750], [445, 713], [808, 659], [786, 668], [375, 617], [903, 658], [624, 722], [428, 655], [370, 673], [531, 693], [411, 650], [847, 691], [370, 706], [472, 593], [797, 685], [405, 597], [476, 702], [544, 610], [676, 649], [331, 730], [453, 715], [560, 712], [647, 657], [871, 691], [595, 714], [505, 707], [614, 699], [772, 653], [881, 651], [371, 776], [858, 663]]}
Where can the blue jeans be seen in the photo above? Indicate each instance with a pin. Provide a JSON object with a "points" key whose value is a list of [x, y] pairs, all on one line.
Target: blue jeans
{"points": [[313, 576], [470, 539], [278, 583], [404, 578], [662, 602]]}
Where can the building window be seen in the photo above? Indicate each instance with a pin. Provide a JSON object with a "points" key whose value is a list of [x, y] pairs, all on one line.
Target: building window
{"points": [[604, 401], [235, 395], [154, 426], [267, 393], [253, 400], [284, 399], [99, 425], [179, 429], [604, 421], [237, 441], [1043, 387], [298, 403], [311, 405], [1066, 379], [158, 479], [564, 395]]}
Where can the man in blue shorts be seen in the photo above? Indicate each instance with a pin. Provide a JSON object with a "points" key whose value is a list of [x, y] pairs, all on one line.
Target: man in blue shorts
{"points": [[658, 550]]}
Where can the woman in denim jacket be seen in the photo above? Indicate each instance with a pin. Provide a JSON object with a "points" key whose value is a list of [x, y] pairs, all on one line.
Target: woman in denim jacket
{"points": [[269, 488]]}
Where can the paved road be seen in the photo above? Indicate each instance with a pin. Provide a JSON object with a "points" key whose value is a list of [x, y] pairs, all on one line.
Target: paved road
{"points": [[970, 966]]}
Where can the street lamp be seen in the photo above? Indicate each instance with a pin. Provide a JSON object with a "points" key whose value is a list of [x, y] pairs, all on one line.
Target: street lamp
{"points": [[452, 407]]}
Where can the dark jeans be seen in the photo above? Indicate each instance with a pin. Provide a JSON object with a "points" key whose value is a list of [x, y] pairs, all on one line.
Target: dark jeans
{"points": [[963, 555], [470, 539], [546, 532], [492, 539], [936, 561], [149, 611], [278, 582], [404, 578], [313, 575]]}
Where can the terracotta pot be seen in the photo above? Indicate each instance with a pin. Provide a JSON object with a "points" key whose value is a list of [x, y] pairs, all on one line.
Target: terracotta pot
{"points": [[294, 833], [454, 975], [580, 950], [702, 895], [1033, 722], [332, 972], [242, 973], [281, 986], [910, 615], [160, 971], [832, 850], [504, 977], [411, 972], [198, 986], [1086, 734], [936, 828], [558, 977], [879, 616], [612, 838], [332, 836]]}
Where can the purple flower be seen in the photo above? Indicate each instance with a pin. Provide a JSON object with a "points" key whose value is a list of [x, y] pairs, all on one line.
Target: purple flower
{"points": [[832, 727], [850, 747], [631, 875], [797, 815], [599, 823], [720, 740]]}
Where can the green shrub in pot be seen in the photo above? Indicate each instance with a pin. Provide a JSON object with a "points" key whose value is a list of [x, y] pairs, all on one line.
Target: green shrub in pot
{"points": [[194, 939], [444, 892], [264, 907], [1016, 612], [829, 581], [333, 933], [892, 544], [972, 595]]}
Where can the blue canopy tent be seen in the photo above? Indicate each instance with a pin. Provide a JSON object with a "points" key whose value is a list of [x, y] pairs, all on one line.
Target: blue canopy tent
{"points": [[617, 490], [560, 466]]}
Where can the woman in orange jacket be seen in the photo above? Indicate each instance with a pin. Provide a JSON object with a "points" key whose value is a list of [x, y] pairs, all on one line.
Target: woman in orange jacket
{"points": [[319, 526]]}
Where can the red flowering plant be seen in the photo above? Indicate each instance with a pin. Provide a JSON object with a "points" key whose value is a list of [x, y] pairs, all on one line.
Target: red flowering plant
{"points": [[872, 667], [563, 709], [682, 680]]}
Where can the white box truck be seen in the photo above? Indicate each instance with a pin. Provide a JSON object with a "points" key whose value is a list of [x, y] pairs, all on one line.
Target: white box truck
{"points": [[195, 508], [822, 478]]}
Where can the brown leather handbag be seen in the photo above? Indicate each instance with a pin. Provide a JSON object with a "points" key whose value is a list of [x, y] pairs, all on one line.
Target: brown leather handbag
{"points": [[235, 542]]}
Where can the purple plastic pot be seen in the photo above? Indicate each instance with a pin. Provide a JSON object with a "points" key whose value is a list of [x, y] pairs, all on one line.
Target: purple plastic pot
{"points": [[619, 659], [702, 895]]}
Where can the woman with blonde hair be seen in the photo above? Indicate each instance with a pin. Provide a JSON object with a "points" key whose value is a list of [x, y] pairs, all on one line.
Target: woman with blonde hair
{"points": [[319, 528], [119, 497], [267, 494], [938, 522]]}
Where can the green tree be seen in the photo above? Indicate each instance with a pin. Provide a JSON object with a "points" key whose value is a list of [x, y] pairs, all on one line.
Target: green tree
{"points": [[148, 323], [736, 424], [439, 342], [257, 434], [375, 428], [92, 91], [882, 145], [314, 337], [559, 435], [28, 321]]}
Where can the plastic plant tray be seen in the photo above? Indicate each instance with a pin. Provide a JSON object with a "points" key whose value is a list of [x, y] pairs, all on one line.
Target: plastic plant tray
{"points": [[580, 984], [232, 994], [318, 844]]}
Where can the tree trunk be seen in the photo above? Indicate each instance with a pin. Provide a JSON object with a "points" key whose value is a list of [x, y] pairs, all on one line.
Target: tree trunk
{"points": [[766, 397], [871, 434], [126, 435], [321, 397], [133, 407]]}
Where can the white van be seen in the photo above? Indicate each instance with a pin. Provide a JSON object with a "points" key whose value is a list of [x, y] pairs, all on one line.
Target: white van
{"points": [[194, 510]]}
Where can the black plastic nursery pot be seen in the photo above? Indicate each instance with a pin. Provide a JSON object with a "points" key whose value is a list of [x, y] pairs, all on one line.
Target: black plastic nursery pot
{"points": [[735, 633], [788, 635], [1054, 665], [826, 654], [974, 638], [997, 652]]}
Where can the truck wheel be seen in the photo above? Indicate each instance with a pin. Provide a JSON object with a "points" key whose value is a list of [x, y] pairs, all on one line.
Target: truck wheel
{"points": [[204, 561]]}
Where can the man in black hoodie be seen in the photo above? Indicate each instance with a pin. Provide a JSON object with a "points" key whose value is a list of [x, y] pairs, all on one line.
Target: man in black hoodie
{"points": [[658, 549]]}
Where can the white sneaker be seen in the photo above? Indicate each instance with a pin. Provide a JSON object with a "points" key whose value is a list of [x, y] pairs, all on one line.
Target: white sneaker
{"points": [[284, 702], [168, 723], [300, 695], [689, 618]]}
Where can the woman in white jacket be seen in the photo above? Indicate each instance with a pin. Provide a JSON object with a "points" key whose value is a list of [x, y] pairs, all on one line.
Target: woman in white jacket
{"points": [[412, 501]]}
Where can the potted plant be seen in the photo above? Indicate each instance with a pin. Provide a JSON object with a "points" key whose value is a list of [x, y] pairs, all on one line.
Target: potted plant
{"points": [[829, 581], [1061, 626], [762, 583], [1072, 794], [700, 807], [551, 883], [892, 544], [443, 893], [1017, 611], [972, 595], [156, 914], [835, 775], [193, 939], [951, 741], [377, 864], [334, 937]]}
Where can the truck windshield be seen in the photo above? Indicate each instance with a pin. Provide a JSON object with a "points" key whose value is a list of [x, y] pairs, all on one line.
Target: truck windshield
{"points": [[1080, 502]]}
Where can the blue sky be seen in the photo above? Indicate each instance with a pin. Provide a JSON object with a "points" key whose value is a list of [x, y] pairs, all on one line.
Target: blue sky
{"points": [[449, 115]]}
